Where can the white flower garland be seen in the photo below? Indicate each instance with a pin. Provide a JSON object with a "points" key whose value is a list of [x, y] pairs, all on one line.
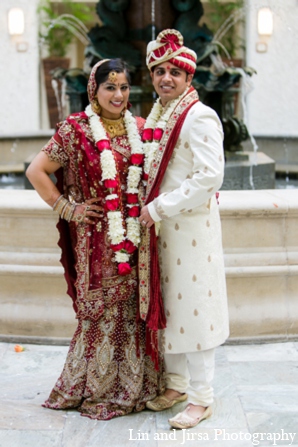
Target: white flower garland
{"points": [[157, 119], [133, 178], [133, 229], [116, 230], [108, 165]]}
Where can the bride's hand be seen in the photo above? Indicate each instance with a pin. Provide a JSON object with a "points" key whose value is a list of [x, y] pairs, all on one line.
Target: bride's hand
{"points": [[88, 212]]}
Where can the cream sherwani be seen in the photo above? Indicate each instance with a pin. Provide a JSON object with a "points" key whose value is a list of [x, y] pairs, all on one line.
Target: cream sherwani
{"points": [[190, 245]]}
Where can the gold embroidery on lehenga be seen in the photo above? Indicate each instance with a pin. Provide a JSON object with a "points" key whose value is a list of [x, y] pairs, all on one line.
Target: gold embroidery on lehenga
{"points": [[116, 288], [125, 385], [74, 371], [105, 375], [100, 384], [131, 355], [130, 383], [105, 351], [103, 370], [104, 356]]}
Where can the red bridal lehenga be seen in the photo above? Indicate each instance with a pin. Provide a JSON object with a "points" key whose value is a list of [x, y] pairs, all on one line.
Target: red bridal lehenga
{"points": [[106, 373]]}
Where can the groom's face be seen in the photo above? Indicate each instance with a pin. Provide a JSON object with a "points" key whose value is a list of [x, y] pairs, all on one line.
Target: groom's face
{"points": [[170, 81]]}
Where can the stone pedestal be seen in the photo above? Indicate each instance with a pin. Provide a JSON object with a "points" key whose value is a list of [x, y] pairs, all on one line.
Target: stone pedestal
{"points": [[33, 300], [261, 258]]}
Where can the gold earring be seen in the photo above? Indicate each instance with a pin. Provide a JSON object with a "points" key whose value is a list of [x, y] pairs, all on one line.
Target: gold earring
{"points": [[95, 106], [124, 110]]}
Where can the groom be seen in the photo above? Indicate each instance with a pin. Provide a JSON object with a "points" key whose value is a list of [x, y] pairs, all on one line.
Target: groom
{"points": [[184, 167]]}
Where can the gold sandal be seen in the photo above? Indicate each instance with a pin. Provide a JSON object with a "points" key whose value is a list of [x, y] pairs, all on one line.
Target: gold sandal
{"points": [[163, 403], [183, 420]]}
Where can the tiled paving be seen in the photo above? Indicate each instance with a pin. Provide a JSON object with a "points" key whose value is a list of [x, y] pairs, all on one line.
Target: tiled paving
{"points": [[256, 403]]}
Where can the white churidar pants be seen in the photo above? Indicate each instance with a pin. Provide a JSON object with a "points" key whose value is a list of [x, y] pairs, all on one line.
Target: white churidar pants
{"points": [[191, 372]]}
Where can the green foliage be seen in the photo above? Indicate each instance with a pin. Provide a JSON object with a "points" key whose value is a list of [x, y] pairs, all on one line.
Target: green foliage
{"points": [[58, 36], [219, 13]]}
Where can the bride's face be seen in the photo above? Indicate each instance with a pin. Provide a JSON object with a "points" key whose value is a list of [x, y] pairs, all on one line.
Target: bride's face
{"points": [[113, 96]]}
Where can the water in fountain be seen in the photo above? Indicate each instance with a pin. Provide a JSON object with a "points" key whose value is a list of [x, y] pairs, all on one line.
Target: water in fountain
{"points": [[12, 180], [286, 180]]}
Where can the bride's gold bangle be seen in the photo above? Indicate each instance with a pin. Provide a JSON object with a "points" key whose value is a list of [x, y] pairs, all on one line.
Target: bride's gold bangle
{"points": [[64, 208]]}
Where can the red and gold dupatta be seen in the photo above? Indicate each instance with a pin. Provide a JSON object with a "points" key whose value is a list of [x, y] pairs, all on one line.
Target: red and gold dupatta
{"points": [[151, 305]]}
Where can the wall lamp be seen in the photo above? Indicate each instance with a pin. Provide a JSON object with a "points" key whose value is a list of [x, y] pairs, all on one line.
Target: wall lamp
{"points": [[16, 21], [265, 22]]}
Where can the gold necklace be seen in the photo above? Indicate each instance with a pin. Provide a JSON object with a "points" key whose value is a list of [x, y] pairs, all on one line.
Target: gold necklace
{"points": [[114, 128]]}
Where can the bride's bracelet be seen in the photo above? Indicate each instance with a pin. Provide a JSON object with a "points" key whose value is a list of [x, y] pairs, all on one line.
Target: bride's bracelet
{"points": [[64, 208]]}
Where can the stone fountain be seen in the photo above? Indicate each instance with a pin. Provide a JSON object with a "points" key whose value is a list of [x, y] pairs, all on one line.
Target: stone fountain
{"points": [[127, 27]]}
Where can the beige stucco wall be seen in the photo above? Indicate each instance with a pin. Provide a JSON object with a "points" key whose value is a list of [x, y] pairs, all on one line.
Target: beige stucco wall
{"points": [[272, 104], [19, 74]]}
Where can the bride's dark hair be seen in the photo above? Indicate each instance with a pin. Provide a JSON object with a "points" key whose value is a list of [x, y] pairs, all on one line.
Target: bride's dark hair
{"points": [[117, 65]]}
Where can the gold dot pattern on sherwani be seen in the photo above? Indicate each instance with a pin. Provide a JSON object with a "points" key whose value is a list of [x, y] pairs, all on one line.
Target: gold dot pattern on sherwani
{"points": [[194, 243], [194, 278], [168, 313], [198, 347], [209, 258], [208, 223], [205, 138], [182, 211], [176, 227], [186, 145], [178, 261], [211, 327], [195, 312], [209, 190], [166, 279], [181, 330], [179, 296], [169, 346], [164, 245], [210, 293]]}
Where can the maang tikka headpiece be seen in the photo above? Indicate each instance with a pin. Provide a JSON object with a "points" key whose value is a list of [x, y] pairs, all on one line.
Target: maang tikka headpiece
{"points": [[112, 76]]}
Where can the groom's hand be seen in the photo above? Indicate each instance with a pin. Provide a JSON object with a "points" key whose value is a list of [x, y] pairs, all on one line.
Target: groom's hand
{"points": [[145, 218]]}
